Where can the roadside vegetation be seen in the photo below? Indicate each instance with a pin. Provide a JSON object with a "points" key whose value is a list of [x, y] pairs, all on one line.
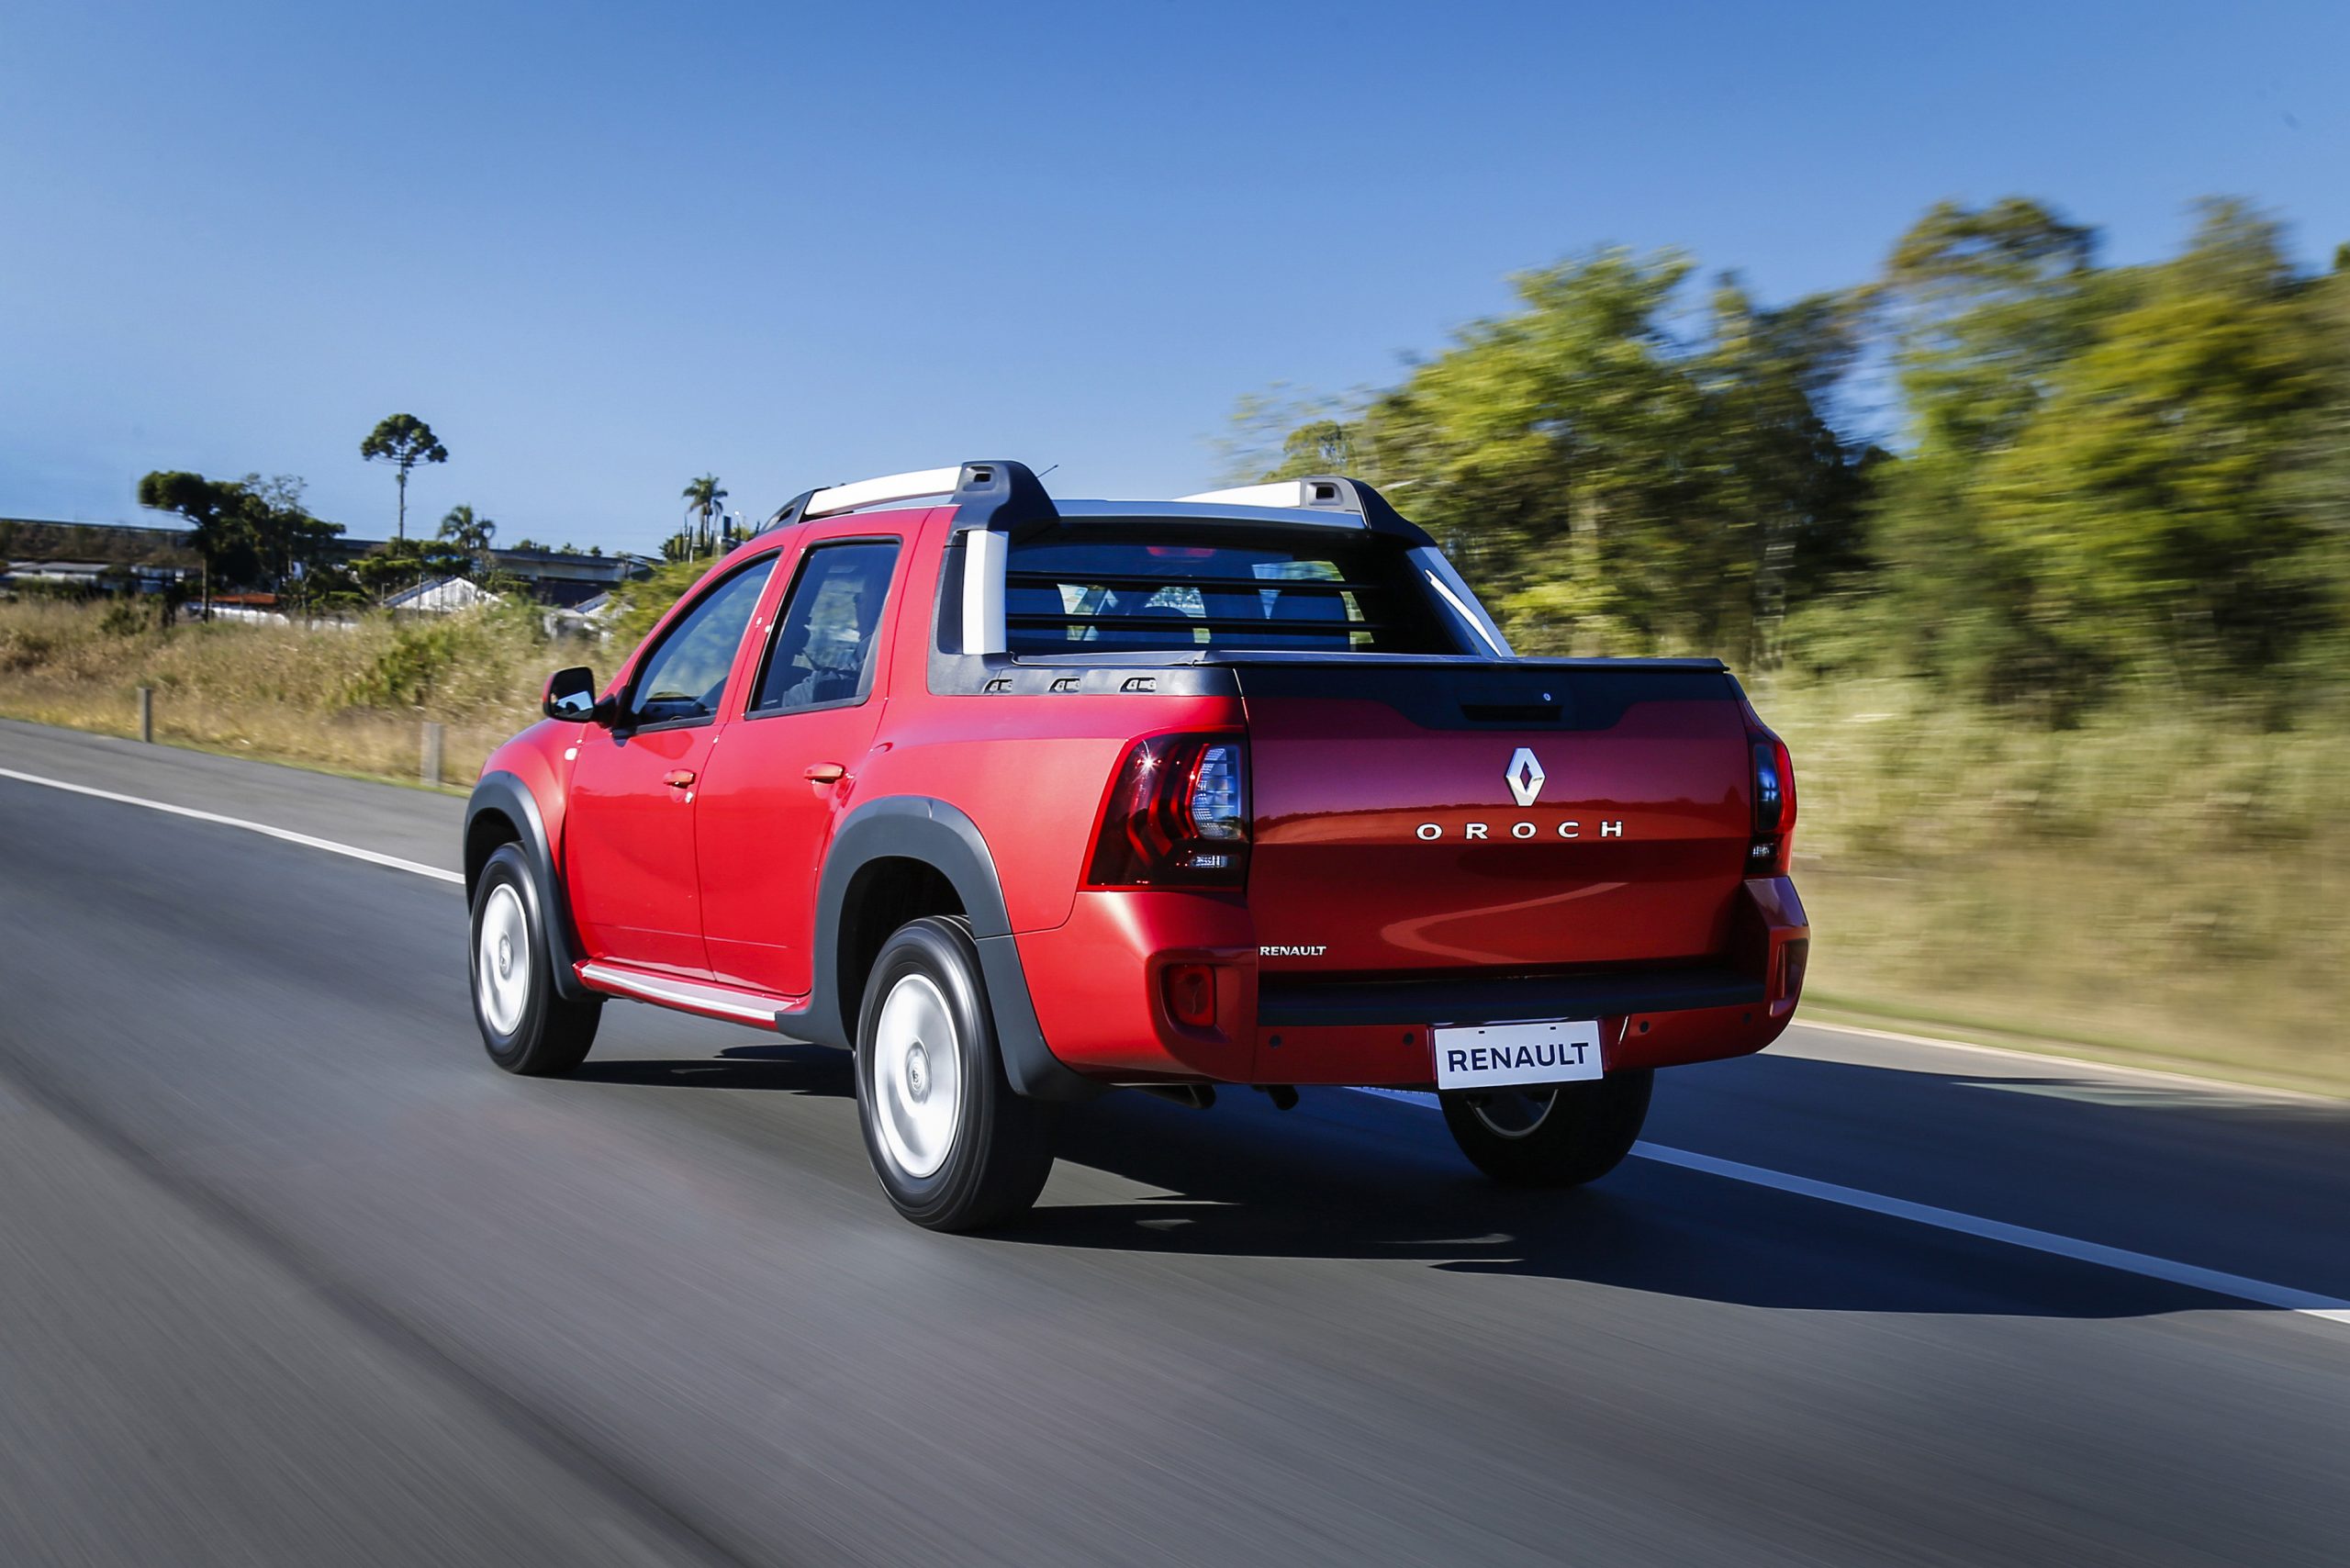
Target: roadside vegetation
{"points": [[2146, 884], [2042, 566], [350, 696]]}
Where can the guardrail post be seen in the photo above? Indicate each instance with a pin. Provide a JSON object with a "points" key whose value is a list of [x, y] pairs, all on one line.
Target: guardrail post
{"points": [[431, 773], [146, 714]]}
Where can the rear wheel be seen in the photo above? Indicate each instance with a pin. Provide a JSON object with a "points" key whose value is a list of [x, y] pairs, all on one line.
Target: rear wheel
{"points": [[955, 1148], [526, 1025], [1559, 1137]]}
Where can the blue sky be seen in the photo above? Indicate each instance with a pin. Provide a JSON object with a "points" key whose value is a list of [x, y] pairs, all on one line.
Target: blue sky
{"points": [[603, 248]]}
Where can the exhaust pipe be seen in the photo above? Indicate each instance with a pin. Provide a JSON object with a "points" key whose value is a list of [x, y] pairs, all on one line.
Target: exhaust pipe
{"points": [[1198, 1096]]}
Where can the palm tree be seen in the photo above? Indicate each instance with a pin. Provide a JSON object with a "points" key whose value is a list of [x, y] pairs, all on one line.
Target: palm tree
{"points": [[703, 496], [465, 531], [468, 533]]}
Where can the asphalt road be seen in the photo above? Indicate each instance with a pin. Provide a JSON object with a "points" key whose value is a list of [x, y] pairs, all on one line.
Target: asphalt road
{"points": [[289, 1274]]}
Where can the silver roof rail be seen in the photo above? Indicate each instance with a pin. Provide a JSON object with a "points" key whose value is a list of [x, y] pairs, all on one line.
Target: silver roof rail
{"points": [[879, 492], [1333, 494], [1004, 495], [1322, 493]]}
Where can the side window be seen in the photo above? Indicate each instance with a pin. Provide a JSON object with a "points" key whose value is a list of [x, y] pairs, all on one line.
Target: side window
{"points": [[822, 653], [685, 677]]}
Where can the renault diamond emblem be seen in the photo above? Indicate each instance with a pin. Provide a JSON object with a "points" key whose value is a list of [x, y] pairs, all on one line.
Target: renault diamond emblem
{"points": [[1524, 777]]}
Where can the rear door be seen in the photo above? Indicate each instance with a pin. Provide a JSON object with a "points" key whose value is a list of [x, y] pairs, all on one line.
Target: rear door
{"points": [[629, 826], [1506, 817], [787, 769]]}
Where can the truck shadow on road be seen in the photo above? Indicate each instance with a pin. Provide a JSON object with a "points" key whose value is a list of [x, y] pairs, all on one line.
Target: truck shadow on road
{"points": [[1355, 1176], [1349, 1176], [789, 1068]]}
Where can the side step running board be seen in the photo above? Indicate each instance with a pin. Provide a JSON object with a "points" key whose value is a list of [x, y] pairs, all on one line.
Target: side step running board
{"points": [[731, 1003]]}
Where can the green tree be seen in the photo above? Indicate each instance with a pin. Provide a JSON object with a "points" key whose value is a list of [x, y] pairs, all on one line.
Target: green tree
{"points": [[1984, 305], [643, 600], [397, 565], [219, 528], [1610, 485], [290, 546], [248, 531], [466, 532], [2112, 473], [702, 496], [403, 440], [2146, 503]]}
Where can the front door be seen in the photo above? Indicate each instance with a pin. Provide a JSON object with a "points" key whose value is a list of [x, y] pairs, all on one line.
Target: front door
{"points": [[629, 860], [785, 775]]}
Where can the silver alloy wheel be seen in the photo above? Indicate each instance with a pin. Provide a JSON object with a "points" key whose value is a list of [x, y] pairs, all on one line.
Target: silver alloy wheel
{"points": [[502, 959], [915, 1076], [1507, 1113]]}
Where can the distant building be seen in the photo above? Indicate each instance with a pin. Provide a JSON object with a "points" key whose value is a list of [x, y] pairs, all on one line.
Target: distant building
{"points": [[565, 580], [441, 596], [92, 576], [85, 552]]}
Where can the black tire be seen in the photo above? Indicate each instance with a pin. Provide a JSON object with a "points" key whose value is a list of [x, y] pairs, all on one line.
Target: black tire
{"points": [[980, 1155], [526, 1025], [1579, 1135]]}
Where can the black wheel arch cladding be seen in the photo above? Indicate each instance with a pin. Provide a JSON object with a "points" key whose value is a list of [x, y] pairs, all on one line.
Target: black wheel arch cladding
{"points": [[505, 797], [934, 833]]}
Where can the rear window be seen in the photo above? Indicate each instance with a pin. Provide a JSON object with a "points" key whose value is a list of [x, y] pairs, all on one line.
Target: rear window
{"points": [[1099, 587]]}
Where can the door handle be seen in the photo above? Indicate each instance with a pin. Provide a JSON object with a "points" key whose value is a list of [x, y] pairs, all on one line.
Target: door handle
{"points": [[679, 778], [826, 773]]}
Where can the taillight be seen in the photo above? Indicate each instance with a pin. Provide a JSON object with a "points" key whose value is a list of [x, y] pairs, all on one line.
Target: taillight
{"points": [[1176, 815], [1775, 808]]}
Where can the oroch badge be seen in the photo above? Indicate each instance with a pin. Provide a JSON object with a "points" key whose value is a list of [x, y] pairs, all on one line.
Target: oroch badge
{"points": [[1524, 776]]}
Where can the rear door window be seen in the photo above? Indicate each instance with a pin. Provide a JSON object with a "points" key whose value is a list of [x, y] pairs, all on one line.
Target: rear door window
{"points": [[822, 656]]}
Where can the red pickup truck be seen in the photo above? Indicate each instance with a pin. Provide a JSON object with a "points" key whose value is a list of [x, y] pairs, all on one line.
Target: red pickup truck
{"points": [[1023, 799]]}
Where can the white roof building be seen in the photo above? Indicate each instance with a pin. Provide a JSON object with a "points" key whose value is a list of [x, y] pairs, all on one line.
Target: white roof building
{"points": [[443, 596]]}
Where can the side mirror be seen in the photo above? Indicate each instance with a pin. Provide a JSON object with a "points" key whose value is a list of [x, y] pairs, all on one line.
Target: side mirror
{"points": [[570, 695]]}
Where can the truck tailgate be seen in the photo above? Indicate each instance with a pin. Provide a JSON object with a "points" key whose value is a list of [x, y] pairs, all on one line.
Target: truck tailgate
{"points": [[1529, 816]]}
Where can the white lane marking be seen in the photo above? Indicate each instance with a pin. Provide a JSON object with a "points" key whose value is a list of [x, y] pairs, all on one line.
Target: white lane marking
{"points": [[2124, 1096], [2141, 1263], [329, 845], [2146, 1265]]}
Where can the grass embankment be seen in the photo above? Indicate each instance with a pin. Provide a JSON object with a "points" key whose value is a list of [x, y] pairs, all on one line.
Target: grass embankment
{"points": [[2168, 883], [2169, 886], [349, 698]]}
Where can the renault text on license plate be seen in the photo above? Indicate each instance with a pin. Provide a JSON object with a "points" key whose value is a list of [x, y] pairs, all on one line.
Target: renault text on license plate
{"points": [[1492, 1056]]}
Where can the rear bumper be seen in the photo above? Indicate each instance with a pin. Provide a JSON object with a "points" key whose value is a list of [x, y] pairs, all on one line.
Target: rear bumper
{"points": [[1097, 982]]}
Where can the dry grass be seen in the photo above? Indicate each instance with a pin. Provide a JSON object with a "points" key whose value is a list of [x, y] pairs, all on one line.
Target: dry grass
{"points": [[351, 699], [2161, 883], [2164, 884]]}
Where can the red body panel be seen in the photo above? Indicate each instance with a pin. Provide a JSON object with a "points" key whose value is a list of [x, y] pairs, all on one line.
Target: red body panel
{"points": [[631, 834], [761, 824], [1395, 848], [718, 881], [1095, 983], [630, 871]]}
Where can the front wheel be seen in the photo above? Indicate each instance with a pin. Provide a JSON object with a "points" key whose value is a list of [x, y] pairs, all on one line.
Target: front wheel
{"points": [[955, 1148], [1559, 1137], [526, 1024]]}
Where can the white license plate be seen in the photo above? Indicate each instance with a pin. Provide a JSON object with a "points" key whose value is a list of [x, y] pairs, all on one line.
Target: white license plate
{"points": [[1493, 1055]]}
